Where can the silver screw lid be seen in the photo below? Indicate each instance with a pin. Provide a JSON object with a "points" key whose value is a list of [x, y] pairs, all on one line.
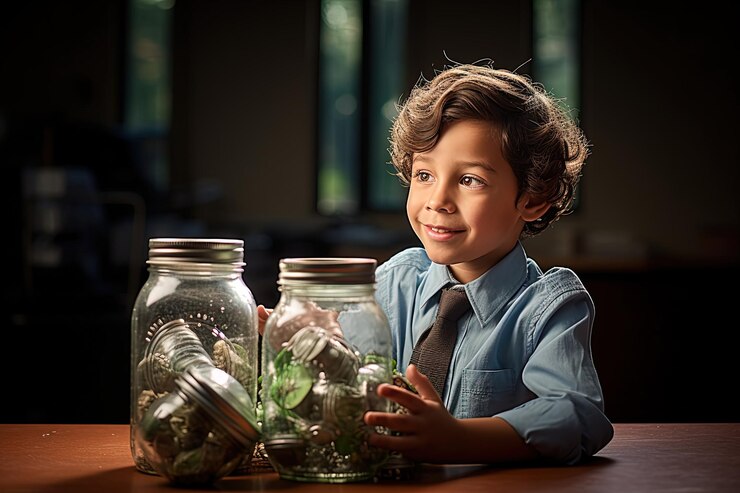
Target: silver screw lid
{"points": [[327, 270], [188, 252]]}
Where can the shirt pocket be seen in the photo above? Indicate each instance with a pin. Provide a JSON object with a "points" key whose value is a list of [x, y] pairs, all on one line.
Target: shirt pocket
{"points": [[487, 392]]}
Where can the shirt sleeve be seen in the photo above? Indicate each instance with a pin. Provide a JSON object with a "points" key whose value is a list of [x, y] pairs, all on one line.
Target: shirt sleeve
{"points": [[565, 422]]}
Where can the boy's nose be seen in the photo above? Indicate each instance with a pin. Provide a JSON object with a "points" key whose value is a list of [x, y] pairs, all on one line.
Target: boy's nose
{"points": [[440, 200]]}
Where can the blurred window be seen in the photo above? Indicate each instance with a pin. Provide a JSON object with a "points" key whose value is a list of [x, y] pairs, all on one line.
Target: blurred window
{"points": [[339, 111], [148, 86], [557, 54], [360, 79], [557, 50]]}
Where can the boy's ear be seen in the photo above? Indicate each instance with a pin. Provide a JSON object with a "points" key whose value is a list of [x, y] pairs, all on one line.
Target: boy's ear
{"points": [[532, 208]]}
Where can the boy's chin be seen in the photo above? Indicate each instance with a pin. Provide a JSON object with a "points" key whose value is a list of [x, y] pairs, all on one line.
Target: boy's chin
{"points": [[443, 258]]}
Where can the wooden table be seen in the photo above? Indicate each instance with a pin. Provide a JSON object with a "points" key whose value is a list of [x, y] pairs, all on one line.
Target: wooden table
{"points": [[653, 458]]}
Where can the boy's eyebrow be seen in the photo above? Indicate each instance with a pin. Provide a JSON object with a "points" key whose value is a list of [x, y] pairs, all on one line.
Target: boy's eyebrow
{"points": [[475, 164], [478, 164]]}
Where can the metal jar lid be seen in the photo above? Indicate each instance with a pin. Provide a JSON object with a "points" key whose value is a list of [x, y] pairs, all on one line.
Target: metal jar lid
{"points": [[224, 399], [327, 270], [191, 252]]}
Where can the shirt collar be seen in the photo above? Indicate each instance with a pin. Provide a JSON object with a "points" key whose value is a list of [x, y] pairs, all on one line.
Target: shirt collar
{"points": [[490, 292]]}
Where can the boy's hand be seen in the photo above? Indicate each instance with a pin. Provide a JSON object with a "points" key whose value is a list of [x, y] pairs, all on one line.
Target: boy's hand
{"points": [[428, 429], [262, 314]]}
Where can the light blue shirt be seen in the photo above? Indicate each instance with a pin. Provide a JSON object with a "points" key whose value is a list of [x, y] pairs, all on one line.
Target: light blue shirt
{"points": [[523, 353]]}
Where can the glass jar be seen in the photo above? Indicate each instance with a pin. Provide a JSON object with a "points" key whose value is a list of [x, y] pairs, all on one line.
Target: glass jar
{"points": [[325, 349], [194, 311]]}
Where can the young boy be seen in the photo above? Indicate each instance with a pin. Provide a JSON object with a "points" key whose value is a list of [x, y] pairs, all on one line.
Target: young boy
{"points": [[489, 159]]}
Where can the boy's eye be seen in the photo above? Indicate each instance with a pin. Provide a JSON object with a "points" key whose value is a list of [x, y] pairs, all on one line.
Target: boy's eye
{"points": [[422, 176], [470, 181]]}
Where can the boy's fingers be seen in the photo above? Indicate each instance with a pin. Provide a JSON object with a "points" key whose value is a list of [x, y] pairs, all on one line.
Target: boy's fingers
{"points": [[395, 422], [407, 399], [262, 312], [422, 384]]}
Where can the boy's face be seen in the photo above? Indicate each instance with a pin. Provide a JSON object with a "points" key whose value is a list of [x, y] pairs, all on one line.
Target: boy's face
{"points": [[462, 201]]}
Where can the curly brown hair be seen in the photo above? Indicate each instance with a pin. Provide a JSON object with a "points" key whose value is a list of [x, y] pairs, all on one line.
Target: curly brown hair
{"points": [[544, 147]]}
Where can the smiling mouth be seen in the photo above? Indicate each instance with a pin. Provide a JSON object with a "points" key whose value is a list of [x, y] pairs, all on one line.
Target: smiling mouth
{"points": [[441, 230]]}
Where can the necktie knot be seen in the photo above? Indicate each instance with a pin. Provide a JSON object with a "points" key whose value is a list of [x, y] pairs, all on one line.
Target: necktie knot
{"points": [[453, 304]]}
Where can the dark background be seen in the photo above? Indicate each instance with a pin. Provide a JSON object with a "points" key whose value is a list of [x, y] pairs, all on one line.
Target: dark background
{"points": [[655, 238]]}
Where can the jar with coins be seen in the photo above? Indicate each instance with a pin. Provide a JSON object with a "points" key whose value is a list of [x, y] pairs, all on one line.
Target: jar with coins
{"points": [[325, 349], [194, 343]]}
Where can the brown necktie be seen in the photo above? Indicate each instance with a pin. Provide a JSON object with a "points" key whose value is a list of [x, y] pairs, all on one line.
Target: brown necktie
{"points": [[433, 352]]}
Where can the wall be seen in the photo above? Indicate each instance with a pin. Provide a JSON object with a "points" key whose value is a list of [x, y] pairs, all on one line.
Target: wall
{"points": [[244, 93], [660, 91]]}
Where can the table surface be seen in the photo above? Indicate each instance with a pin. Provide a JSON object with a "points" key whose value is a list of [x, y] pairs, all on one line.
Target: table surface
{"points": [[655, 458]]}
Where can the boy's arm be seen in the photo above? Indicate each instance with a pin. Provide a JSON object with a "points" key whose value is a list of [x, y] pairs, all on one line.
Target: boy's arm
{"points": [[431, 434], [491, 440]]}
